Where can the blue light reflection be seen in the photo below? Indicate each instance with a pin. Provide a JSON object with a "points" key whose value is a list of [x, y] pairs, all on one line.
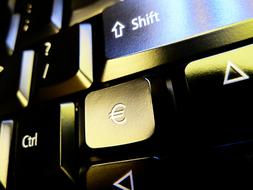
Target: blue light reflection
{"points": [[187, 18]]}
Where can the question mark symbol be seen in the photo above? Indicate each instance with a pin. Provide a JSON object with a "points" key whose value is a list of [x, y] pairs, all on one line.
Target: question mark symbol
{"points": [[48, 46]]}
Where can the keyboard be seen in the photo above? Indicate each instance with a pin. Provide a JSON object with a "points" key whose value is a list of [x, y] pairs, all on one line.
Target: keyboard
{"points": [[126, 94]]}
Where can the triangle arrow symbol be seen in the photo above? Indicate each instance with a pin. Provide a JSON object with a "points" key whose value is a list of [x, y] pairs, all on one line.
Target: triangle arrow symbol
{"points": [[123, 178], [232, 68]]}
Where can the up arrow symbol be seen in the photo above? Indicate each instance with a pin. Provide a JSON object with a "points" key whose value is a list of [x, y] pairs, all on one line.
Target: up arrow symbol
{"points": [[128, 175], [231, 67], [118, 29]]}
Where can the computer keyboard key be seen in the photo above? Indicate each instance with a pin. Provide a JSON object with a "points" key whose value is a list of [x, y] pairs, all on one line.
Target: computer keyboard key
{"points": [[140, 35], [13, 32], [119, 115], [223, 76], [6, 131], [83, 10], [37, 20], [46, 147], [16, 82], [139, 173], [26, 76], [5, 18], [143, 25], [227, 69], [220, 88], [65, 62]]}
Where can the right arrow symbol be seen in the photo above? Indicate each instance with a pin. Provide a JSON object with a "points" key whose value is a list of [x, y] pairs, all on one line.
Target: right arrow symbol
{"points": [[124, 177], [232, 68], [118, 29]]}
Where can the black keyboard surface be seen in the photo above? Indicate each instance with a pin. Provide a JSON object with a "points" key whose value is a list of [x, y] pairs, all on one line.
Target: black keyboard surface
{"points": [[126, 94]]}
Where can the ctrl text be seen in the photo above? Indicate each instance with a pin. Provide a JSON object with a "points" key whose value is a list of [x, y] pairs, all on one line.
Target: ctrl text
{"points": [[30, 141]]}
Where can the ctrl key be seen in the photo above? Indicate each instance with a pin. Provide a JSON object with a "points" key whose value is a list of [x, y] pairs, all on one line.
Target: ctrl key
{"points": [[139, 173], [46, 148]]}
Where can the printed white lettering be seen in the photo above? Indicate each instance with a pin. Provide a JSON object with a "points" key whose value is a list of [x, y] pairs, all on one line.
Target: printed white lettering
{"points": [[29, 141], [135, 23], [143, 21]]}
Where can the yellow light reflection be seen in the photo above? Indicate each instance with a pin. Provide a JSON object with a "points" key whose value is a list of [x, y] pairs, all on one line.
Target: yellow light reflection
{"points": [[25, 81], [240, 59], [6, 129], [123, 66], [67, 138]]}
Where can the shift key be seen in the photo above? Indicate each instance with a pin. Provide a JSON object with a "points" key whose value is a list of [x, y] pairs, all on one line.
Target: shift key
{"points": [[142, 34]]}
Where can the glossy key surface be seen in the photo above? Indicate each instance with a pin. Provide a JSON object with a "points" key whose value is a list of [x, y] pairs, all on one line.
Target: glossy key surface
{"points": [[127, 118]]}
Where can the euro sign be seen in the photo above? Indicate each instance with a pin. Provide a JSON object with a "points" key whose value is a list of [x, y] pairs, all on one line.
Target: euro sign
{"points": [[117, 115]]}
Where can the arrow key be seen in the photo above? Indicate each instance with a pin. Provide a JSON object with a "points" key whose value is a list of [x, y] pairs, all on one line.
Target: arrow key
{"points": [[220, 88], [140, 173]]}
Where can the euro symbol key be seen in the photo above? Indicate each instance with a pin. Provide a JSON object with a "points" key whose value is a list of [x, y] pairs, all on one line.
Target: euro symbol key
{"points": [[117, 115]]}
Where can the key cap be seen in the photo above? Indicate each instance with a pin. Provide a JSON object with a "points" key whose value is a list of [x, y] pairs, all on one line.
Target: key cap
{"points": [[73, 70], [6, 130], [12, 36], [46, 147], [139, 173], [140, 35], [131, 106], [16, 82], [11, 5], [5, 17], [220, 88], [36, 20], [82, 10]]}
